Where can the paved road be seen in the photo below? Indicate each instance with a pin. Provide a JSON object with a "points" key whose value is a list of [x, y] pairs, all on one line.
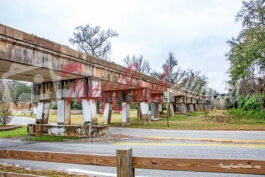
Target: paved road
{"points": [[164, 143]]}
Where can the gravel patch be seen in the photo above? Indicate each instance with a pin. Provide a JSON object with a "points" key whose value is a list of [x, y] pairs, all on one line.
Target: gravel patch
{"points": [[108, 138]]}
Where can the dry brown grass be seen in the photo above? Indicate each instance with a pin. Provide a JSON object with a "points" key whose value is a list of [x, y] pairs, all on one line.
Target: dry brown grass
{"points": [[48, 173]]}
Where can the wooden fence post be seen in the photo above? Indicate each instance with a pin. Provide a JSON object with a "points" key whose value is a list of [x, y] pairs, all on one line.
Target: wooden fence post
{"points": [[124, 163]]}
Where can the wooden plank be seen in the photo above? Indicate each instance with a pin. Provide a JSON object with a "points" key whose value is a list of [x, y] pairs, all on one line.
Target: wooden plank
{"points": [[201, 165], [156, 163], [74, 158], [124, 163]]}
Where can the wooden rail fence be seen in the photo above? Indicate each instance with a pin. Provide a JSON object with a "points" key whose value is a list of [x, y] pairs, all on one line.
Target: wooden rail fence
{"points": [[126, 163]]}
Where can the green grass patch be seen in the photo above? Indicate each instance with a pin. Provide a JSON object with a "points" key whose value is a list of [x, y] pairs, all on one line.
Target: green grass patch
{"points": [[194, 113], [14, 133], [46, 138], [178, 118], [42, 138]]}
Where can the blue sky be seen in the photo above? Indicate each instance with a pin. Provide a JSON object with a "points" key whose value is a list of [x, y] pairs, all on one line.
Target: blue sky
{"points": [[196, 31]]}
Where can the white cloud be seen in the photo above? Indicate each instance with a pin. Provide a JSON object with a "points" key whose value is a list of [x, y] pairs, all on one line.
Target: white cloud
{"points": [[195, 31]]}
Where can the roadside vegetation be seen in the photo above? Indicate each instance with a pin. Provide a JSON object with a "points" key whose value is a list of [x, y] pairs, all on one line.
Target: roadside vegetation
{"points": [[47, 173], [246, 99], [211, 120], [44, 138]]}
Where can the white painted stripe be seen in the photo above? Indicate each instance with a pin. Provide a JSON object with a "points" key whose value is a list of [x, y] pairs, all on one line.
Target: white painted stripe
{"points": [[91, 172], [262, 146], [205, 139], [94, 173]]}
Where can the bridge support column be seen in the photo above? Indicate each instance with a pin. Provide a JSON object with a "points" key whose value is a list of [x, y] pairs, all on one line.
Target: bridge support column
{"points": [[183, 108], [139, 115], [201, 107], [144, 112], [46, 111], [86, 112], [60, 110], [89, 111], [107, 113], [191, 108], [196, 107], [154, 110], [39, 112], [125, 113], [93, 108], [206, 108], [67, 112], [43, 112], [160, 107], [152, 107], [170, 110], [64, 111]]}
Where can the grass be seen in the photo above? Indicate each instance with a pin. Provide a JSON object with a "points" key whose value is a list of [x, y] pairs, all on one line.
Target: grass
{"points": [[194, 113], [46, 138], [14, 133], [48, 173], [75, 118], [192, 121], [22, 132]]}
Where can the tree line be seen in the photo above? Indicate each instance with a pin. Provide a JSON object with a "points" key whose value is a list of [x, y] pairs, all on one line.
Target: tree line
{"points": [[15, 91], [247, 62]]}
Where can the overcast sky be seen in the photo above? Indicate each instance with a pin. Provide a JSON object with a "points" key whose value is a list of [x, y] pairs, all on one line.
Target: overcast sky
{"points": [[196, 31]]}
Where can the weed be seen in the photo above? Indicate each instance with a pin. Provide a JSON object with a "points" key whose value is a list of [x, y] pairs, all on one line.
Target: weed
{"points": [[46, 138], [5, 115]]}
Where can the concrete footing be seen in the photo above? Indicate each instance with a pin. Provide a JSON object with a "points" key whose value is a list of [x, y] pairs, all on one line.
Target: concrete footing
{"points": [[81, 131]]}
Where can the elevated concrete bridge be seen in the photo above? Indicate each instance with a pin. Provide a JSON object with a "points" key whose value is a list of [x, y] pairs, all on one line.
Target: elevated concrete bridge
{"points": [[60, 73]]}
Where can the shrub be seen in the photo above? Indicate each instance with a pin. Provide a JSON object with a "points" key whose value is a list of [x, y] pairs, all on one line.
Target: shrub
{"points": [[218, 106], [5, 116], [242, 101], [253, 103]]}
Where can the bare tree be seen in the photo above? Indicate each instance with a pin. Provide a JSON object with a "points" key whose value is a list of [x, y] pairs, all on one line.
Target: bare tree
{"points": [[92, 40], [142, 65], [155, 74], [171, 63], [252, 13], [173, 73], [194, 81]]}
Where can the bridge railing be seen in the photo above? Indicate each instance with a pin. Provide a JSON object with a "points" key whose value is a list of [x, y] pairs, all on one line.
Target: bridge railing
{"points": [[126, 163]]}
